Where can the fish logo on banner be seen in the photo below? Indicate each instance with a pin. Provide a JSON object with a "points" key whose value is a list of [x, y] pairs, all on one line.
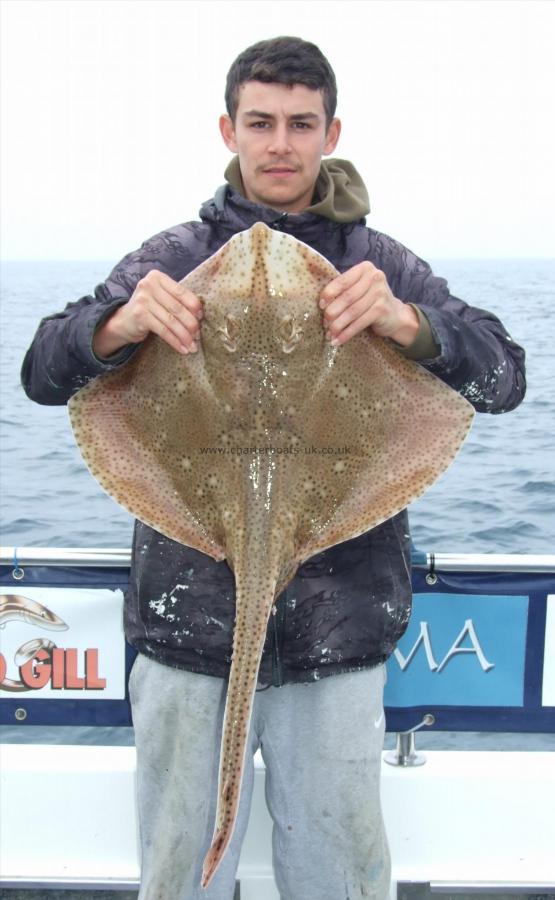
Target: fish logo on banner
{"points": [[42, 665]]}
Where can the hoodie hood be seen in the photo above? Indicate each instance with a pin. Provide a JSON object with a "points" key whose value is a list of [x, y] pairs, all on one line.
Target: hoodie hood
{"points": [[339, 195]]}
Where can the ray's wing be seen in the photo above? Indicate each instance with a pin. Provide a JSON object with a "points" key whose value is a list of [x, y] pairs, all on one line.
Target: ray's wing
{"points": [[378, 431], [133, 426]]}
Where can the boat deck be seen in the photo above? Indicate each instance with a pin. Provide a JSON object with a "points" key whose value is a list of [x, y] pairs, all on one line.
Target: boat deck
{"points": [[479, 655], [480, 821]]}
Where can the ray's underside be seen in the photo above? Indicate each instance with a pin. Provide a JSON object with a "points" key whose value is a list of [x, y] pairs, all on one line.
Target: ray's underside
{"points": [[267, 446]]}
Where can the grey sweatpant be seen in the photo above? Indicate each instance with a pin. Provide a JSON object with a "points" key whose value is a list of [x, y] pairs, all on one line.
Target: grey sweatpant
{"points": [[321, 744]]}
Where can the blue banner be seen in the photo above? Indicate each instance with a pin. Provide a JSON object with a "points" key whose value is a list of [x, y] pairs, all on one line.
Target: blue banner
{"points": [[461, 650], [474, 654]]}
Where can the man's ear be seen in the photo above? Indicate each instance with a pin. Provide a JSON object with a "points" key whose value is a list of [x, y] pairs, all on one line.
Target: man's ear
{"points": [[332, 137], [228, 133]]}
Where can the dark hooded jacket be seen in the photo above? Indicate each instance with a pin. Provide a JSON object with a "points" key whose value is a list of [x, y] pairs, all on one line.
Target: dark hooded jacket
{"points": [[348, 606]]}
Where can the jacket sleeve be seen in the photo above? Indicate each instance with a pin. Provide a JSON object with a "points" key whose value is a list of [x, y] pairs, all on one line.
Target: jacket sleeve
{"points": [[60, 359], [477, 356]]}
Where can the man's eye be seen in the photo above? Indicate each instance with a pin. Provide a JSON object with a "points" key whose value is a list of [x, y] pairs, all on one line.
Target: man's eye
{"points": [[259, 124], [301, 125]]}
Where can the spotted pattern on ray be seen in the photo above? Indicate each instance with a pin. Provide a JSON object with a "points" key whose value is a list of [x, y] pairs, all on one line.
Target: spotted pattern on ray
{"points": [[267, 446]]}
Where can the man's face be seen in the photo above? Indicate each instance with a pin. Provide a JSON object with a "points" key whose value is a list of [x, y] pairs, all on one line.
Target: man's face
{"points": [[280, 136]]}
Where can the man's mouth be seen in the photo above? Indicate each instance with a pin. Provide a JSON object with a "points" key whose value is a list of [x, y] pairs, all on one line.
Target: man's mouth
{"points": [[280, 171]]}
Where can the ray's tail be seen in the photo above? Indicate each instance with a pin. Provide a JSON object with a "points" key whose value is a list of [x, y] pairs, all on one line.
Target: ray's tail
{"points": [[255, 600]]}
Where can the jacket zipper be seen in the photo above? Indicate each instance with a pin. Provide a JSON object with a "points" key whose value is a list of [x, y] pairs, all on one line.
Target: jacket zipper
{"points": [[279, 222], [278, 617]]}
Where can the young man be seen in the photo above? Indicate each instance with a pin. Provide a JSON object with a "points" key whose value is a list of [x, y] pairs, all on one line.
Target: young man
{"points": [[321, 737]]}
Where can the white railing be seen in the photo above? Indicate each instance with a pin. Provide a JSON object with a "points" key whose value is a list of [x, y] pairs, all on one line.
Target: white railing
{"points": [[121, 557]]}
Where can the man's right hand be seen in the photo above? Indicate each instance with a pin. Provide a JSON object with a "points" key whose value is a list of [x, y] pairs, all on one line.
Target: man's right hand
{"points": [[158, 304]]}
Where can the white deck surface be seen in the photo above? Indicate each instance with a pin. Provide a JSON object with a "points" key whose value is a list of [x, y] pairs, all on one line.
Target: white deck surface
{"points": [[67, 815]]}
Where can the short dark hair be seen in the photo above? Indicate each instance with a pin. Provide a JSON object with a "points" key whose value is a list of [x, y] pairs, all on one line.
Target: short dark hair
{"points": [[282, 60]]}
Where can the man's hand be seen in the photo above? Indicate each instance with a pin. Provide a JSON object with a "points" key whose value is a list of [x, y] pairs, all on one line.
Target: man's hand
{"points": [[158, 304], [361, 298]]}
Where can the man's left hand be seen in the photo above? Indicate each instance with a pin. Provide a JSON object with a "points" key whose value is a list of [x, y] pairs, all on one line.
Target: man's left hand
{"points": [[361, 298]]}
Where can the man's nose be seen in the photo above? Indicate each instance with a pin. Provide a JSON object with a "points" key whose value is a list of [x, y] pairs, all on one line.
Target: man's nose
{"points": [[280, 140]]}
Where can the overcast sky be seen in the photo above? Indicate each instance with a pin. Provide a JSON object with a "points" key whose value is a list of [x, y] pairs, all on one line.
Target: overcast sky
{"points": [[110, 110]]}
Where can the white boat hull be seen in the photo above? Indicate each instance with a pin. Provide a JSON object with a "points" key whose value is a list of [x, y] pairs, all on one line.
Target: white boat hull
{"points": [[480, 821]]}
